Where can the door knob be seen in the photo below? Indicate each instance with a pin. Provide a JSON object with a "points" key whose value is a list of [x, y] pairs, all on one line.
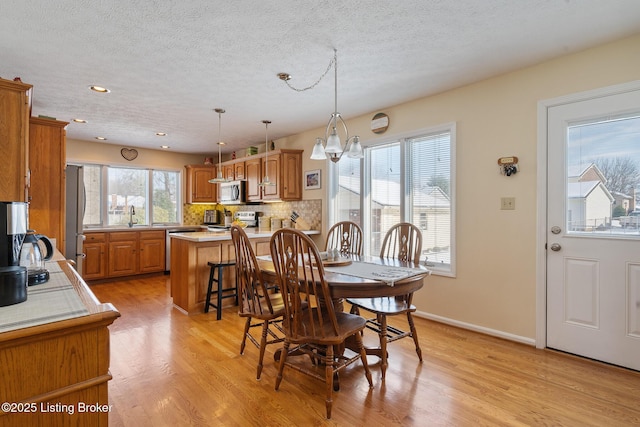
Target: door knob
{"points": [[555, 247]]}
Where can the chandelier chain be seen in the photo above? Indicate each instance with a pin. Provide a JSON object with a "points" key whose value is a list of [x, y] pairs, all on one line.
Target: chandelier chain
{"points": [[331, 64]]}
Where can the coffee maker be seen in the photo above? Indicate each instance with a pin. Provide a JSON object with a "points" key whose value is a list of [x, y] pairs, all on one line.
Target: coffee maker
{"points": [[13, 229]]}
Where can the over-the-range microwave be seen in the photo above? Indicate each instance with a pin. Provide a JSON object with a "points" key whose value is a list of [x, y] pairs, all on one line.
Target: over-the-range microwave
{"points": [[233, 192]]}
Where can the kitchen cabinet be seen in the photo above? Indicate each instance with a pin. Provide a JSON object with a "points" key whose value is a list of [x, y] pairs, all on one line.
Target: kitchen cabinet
{"points": [[253, 171], [199, 189], [94, 265], [285, 171], [47, 158], [238, 168], [233, 170], [152, 251], [228, 172], [123, 256], [123, 253], [15, 110], [58, 362]]}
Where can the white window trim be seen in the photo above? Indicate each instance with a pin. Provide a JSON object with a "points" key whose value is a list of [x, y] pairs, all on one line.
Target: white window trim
{"points": [[391, 138]]}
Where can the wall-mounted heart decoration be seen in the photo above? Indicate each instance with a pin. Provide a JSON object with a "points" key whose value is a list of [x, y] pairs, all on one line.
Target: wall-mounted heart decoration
{"points": [[129, 153]]}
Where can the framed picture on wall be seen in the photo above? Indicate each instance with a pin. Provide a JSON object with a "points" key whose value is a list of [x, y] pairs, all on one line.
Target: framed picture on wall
{"points": [[312, 179]]}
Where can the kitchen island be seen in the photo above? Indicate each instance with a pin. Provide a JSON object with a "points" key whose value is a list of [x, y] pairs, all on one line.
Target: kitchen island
{"points": [[190, 253]]}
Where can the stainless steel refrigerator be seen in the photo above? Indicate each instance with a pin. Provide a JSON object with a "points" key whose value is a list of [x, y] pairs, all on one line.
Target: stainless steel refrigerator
{"points": [[75, 206]]}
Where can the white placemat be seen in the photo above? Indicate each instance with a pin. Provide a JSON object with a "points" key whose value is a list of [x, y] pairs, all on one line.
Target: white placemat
{"points": [[49, 302], [383, 273]]}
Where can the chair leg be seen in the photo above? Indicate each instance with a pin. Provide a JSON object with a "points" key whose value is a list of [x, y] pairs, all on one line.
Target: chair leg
{"points": [[283, 358], [363, 358], [414, 334], [247, 326], [329, 366], [219, 294], [263, 345], [382, 320], [209, 289]]}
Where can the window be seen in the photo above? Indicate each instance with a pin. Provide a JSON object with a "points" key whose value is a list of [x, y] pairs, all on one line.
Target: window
{"points": [[118, 195], [407, 179]]}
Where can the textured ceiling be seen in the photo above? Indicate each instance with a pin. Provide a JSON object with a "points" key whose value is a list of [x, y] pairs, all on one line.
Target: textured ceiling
{"points": [[168, 64]]}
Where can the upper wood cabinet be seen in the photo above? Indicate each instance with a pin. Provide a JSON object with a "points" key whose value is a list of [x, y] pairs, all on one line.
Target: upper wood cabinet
{"points": [[291, 174], [253, 175], [227, 172], [15, 110], [47, 158], [285, 171], [238, 170], [199, 189], [233, 169]]}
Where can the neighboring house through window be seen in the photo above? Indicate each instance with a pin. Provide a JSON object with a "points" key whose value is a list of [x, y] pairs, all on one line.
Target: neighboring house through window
{"points": [[408, 179]]}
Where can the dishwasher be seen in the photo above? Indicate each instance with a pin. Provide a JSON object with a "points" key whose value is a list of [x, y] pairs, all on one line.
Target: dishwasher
{"points": [[170, 231]]}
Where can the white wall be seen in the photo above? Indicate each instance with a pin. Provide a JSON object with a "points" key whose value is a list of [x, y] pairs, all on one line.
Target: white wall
{"points": [[495, 287]]}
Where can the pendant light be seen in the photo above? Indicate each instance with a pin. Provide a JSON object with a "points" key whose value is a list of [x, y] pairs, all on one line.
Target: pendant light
{"points": [[265, 182], [219, 178]]}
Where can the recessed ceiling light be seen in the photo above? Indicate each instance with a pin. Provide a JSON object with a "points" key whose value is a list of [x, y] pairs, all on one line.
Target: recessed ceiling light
{"points": [[99, 89], [79, 120], [101, 138], [161, 134], [164, 146]]}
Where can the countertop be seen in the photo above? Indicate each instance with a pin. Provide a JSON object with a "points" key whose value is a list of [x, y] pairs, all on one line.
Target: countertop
{"points": [[142, 228], [212, 236]]}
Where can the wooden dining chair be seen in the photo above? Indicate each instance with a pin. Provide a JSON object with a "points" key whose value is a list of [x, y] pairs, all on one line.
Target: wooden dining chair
{"points": [[404, 242], [345, 236], [258, 303], [311, 323]]}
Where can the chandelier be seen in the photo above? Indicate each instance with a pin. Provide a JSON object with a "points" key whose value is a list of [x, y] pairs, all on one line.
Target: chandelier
{"points": [[330, 146], [218, 179]]}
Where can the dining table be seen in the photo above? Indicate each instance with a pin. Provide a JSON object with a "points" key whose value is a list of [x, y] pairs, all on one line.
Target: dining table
{"points": [[356, 276]]}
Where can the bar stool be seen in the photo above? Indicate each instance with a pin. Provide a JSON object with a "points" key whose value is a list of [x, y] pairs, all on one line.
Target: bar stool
{"points": [[220, 293]]}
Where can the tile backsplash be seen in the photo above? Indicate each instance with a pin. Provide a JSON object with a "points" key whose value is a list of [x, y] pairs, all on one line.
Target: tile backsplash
{"points": [[310, 210]]}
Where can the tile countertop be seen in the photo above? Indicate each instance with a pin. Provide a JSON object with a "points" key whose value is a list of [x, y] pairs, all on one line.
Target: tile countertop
{"points": [[212, 236]]}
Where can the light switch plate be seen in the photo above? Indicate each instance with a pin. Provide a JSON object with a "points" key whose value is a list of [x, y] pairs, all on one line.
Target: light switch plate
{"points": [[508, 203]]}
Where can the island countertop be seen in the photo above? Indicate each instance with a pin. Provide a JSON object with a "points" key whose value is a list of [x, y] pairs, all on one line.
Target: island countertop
{"points": [[213, 236]]}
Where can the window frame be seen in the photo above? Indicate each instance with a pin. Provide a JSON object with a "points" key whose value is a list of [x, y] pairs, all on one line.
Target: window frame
{"points": [[104, 185], [405, 180]]}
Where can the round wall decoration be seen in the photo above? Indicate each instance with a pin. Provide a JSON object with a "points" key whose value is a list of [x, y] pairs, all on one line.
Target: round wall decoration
{"points": [[129, 153], [379, 123]]}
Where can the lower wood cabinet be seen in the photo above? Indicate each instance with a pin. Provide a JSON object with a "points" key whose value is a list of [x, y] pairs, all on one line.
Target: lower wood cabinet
{"points": [[152, 251], [94, 265], [123, 257], [123, 253], [54, 366]]}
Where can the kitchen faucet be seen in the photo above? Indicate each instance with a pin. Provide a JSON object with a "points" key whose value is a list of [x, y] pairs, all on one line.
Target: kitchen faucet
{"points": [[132, 212]]}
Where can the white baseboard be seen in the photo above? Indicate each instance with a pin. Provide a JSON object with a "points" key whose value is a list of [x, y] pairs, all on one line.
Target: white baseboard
{"points": [[476, 328]]}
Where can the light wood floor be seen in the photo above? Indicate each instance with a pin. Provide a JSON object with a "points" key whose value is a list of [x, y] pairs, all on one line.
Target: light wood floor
{"points": [[170, 369]]}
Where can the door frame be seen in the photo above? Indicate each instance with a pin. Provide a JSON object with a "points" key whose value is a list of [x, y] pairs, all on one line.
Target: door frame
{"points": [[541, 234]]}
